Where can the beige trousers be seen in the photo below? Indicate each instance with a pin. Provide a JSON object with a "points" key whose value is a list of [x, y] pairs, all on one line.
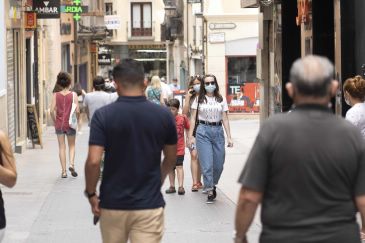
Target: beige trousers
{"points": [[139, 226]]}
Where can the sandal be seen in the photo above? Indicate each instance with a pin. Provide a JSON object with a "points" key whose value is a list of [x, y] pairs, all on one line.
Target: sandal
{"points": [[73, 171], [170, 190], [64, 174], [195, 187], [181, 191], [200, 185]]}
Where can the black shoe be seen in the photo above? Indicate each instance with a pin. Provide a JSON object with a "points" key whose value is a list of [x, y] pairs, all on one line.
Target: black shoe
{"points": [[181, 191], [210, 198], [170, 190], [215, 192], [64, 175], [73, 171]]}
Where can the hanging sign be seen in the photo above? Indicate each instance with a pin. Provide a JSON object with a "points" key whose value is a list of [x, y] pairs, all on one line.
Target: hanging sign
{"points": [[30, 22], [76, 9], [49, 9], [104, 59]]}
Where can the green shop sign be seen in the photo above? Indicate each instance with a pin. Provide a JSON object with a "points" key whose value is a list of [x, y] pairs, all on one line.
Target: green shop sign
{"points": [[76, 9]]}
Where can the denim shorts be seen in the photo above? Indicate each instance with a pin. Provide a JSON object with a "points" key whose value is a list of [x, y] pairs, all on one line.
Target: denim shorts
{"points": [[69, 132]]}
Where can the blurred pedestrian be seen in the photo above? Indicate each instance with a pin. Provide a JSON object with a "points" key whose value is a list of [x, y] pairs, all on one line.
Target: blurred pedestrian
{"points": [[154, 91], [174, 86], [354, 93], [167, 93], [193, 92], [80, 97], [60, 112], [182, 124], [306, 168], [8, 175], [133, 132], [212, 111], [97, 98]]}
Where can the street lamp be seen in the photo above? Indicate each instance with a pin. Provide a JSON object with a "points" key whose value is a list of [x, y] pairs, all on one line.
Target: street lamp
{"points": [[170, 9]]}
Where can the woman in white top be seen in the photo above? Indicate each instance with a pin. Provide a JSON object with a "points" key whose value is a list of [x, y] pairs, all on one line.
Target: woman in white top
{"points": [[354, 93], [212, 111]]}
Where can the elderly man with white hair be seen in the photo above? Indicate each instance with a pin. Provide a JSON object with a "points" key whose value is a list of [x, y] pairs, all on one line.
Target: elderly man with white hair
{"points": [[306, 168]]}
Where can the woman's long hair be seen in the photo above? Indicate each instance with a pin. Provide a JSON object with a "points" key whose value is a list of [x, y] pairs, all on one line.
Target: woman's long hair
{"points": [[191, 84], [203, 92], [156, 82]]}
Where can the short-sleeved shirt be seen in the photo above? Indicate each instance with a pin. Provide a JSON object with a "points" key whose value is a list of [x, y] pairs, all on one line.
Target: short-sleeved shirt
{"points": [[356, 115], [182, 123], [154, 95], [96, 100], [309, 164], [133, 132], [211, 110]]}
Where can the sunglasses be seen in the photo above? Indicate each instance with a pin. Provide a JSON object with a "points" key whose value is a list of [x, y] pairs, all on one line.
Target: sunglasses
{"points": [[209, 83]]}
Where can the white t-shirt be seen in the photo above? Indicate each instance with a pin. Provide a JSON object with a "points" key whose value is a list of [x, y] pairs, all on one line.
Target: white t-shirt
{"points": [[166, 91], [210, 111], [356, 115], [96, 100]]}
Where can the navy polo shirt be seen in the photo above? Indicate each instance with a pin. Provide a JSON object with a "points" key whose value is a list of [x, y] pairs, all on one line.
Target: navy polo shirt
{"points": [[133, 132]]}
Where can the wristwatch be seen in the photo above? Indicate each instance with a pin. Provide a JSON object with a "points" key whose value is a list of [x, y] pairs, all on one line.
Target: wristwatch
{"points": [[89, 195]]}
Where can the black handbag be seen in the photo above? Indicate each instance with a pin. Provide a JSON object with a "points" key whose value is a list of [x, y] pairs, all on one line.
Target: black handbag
{"points": [[196, 120]]}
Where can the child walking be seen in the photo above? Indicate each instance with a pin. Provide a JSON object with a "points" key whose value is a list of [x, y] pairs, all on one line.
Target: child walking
{"points": [[182, 123]]}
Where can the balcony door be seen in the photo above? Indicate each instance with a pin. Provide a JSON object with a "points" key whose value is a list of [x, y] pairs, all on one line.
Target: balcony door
{"points": [[141, 19]]}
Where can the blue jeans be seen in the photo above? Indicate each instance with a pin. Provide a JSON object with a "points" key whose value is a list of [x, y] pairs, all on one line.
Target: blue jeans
{"points": [[211, 153]]}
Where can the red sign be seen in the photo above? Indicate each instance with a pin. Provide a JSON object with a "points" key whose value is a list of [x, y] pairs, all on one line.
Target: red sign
{"points": [[245, 99], [30, 20]]}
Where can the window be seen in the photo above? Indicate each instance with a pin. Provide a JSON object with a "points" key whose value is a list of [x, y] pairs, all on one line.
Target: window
{"points": [[141, 19], [108, 8], [242, 87]]}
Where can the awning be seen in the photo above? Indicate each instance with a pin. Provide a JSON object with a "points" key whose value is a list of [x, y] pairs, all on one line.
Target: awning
{"points": [[250, 3]]}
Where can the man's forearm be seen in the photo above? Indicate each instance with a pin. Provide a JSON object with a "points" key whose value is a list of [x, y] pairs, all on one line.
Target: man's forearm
{"points": [[92, 174], [244, 216]]}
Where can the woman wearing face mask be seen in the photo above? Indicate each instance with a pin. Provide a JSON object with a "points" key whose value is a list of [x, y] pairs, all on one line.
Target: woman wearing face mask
{"points": [[193, 92], [354, 93], [212, 111]]}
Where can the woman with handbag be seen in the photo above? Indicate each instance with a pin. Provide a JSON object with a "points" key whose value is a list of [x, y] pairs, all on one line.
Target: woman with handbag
{"points": [[154, 91], [64, 113], [193, 92], [212, 111], [8, 175]]}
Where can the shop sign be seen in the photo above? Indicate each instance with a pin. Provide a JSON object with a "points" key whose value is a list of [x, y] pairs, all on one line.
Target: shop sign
{"points": [[49, 9], [76, 9], [217, 37], [217, 26], [104, 59], [112, 22], [30, 20]]}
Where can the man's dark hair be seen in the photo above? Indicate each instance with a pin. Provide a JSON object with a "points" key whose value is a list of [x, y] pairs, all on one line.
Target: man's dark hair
{"points": [[98, 83], [129, 73], [174, 103], [63, 80], [312, 76]]}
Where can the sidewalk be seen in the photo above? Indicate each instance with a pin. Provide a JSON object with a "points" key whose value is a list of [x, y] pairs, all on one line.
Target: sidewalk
{"points": [[44, 208]]}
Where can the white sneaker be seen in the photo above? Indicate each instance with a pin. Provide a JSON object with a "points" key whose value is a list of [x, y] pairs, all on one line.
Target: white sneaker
{"points": [[204, 191]]}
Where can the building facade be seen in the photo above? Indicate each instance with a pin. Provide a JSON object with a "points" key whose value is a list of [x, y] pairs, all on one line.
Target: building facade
{"points": [[231, 40], [3, 81], [134, 32]]}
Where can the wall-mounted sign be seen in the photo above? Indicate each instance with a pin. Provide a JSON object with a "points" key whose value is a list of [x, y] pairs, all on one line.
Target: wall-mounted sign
{"points": [[76, 9], [112, 22], [217, 37], [104, 59], [217, 26], [30, 21], [49, 9]]}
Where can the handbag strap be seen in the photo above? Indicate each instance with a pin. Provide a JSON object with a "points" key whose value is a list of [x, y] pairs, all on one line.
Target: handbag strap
{"points": [[197, 112]]}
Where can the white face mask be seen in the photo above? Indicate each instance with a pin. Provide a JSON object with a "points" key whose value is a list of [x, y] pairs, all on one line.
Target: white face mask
{"points": [[196, 88], [210, 88]]}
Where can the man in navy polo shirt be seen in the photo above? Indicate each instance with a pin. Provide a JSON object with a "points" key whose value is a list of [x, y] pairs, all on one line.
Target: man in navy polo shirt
{"points": [[133, 132]]}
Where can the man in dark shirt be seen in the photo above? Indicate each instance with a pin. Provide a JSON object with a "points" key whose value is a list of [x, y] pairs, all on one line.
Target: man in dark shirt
{"points": [[133, 132], [306, 168]]}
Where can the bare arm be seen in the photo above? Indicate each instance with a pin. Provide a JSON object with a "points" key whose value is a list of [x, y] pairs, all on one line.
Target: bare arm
{"points": [[76, 102], [248, 202], [360, 203], [8, 174], [92, 174], [168, 162], [192, 122], [186, 107], [162, 100], [53, 108], [227, 128]]}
